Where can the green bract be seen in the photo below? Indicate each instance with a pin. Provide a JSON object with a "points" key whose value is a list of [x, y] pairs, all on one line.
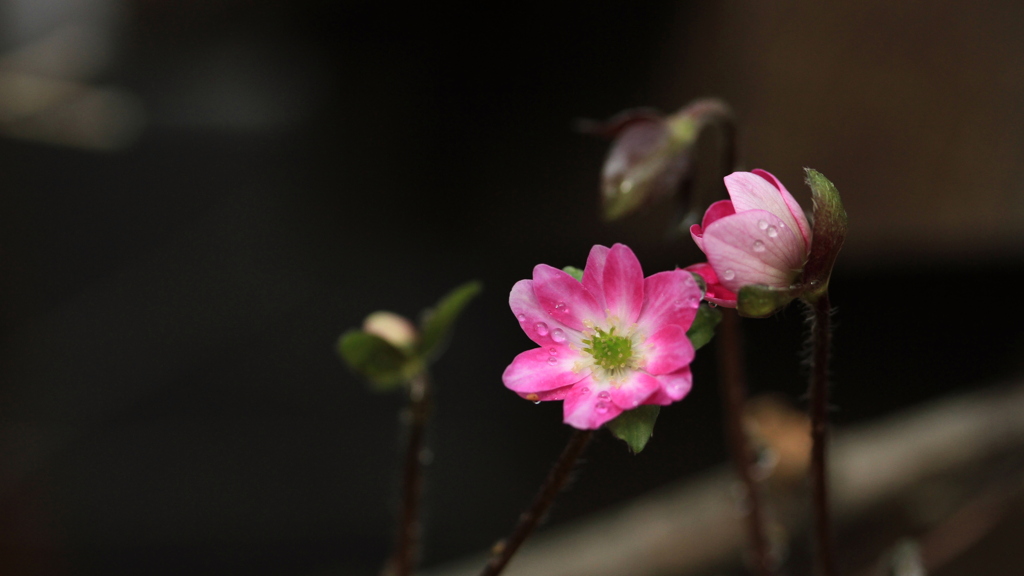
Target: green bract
{"points": [[436, 323], [377, 360], [703, 328], [760, 301], [574, 272], [830, 223], [635, 427]]}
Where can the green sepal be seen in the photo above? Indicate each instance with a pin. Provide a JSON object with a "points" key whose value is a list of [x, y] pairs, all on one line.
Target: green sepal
{"points": [[760, 301], [377, 360], [635, 427], [830, 224], [574, 272], [701, 283], [703, 328], [437, 322]]}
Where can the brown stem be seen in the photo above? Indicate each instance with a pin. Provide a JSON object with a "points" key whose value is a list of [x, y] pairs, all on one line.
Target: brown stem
{"points": [[528, 520], [734, 396], [821, 341], [403, 560]]}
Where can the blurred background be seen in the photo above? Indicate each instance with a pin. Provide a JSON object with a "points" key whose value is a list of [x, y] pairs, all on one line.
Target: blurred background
{"points": [[197, 197]]}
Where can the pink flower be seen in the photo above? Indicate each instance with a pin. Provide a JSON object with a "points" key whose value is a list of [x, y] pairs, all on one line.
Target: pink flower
{"points": [[608, 344], [760, 236]]}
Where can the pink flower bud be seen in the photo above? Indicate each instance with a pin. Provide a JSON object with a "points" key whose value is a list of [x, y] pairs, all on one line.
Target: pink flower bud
{"points": [[760, 236]]}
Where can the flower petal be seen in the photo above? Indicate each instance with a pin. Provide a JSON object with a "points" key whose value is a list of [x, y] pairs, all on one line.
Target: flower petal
{"points": [[668, 350], [669, 298], [632, 392], [550, 395], [674, 387], [538, 324], [583, 409], [534, 371], [593, 273], [750, 191], [715, 293], [564, 298], [754, 247], [623, 284], [794, 206], [717, 210]]}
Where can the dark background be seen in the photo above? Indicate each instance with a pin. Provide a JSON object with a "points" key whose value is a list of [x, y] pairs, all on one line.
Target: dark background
{"points": [[219, 188]]}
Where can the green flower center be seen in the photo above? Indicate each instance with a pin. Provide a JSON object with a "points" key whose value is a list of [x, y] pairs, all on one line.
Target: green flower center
{"points": [[611, 352]]}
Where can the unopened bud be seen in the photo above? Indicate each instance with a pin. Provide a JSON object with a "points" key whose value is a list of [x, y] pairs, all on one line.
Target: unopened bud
{"points": [[651, 156], [395, 329]]}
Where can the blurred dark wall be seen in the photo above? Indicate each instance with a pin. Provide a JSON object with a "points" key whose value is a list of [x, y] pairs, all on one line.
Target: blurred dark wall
{"points": [[245, 181]]}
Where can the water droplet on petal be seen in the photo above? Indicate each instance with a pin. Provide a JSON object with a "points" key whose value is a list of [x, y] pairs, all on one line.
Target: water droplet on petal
{"points": [[773, 231], [521, 317], [601, 407], [552, 360], [763, 225], [678, 303], [712, 304], [562, 308], [552, 350], [728, 275], [541, 328], [695, 301], [557, 335], [758, 246], [584, 390], [604, 395], [536, 401]]}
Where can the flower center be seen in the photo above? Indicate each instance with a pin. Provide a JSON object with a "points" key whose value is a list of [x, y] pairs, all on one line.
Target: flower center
{"points": [[611, 352]]}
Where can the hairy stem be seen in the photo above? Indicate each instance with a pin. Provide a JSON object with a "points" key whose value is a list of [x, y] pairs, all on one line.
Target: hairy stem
{"points": [[821, 341], [734, 396], [528, 520], [403, 560]]}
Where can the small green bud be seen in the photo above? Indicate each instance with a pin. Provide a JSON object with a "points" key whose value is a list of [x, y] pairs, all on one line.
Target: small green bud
{"points": [[390, 351]]}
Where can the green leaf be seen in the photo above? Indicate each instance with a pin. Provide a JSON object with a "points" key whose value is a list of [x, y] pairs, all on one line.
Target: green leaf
{"points": [[635, 427], [376, 360], [760, 301], [574, 272], [703, 328], [830, 224], [437, 323]]}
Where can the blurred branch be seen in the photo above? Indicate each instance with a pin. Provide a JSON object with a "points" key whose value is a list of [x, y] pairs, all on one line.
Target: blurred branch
{"points": [[696, 526]]}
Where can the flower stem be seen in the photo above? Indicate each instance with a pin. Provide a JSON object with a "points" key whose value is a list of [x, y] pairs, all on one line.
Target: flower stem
{"points": [[528, 520], [403, 560], [820, 310], [734, 396]]}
